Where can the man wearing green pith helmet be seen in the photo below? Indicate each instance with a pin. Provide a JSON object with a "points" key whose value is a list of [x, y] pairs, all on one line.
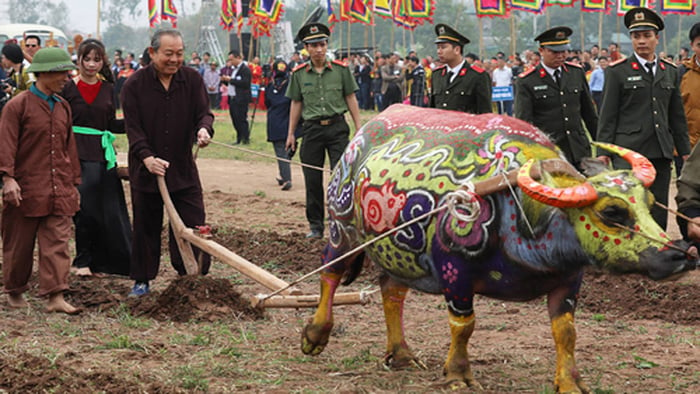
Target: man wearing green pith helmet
{"points": [[40, 171]]}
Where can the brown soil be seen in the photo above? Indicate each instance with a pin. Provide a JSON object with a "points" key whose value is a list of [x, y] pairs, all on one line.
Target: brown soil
{"points": [[199, 334]]}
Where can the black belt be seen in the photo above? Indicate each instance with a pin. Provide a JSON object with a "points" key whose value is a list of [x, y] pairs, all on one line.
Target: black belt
{"points": [[327, 121]]}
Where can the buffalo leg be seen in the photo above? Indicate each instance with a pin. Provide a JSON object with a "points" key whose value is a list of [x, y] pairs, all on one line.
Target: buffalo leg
{"points": [[561, 305], [457, 369], [398, 355], [315, 335]]}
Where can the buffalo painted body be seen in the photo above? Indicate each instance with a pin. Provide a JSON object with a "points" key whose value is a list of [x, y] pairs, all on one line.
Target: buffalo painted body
{"points": [[408, 161]]}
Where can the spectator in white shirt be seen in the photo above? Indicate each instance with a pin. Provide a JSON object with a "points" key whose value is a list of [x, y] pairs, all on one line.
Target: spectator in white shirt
{"points": [[502, 77]]}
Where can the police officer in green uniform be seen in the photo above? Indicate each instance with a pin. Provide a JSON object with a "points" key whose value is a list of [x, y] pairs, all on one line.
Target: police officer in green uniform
{"points": [[642, 108], [321, 92], [456, 85], [555, 97]]}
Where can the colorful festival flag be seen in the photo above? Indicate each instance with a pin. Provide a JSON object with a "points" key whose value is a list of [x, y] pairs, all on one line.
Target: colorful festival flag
{"points": [[491, 8], [419, 8], [382, 8], [625, 5], [153, 13], [239, 16], [533, 6], [400, 17], [359, 11], [595, 6], [560, 3], [332, 19], [685, 7], [169, 12], [227, 14], [268, 9]]}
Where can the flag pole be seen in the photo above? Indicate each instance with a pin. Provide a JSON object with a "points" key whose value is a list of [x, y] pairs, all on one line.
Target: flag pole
{"points": [[582, 27], [97, 28], [393, 36], [403, 37], [680, 31], [600, 29], [349, 38], [512, 35], [481, 38], [366, 42]]}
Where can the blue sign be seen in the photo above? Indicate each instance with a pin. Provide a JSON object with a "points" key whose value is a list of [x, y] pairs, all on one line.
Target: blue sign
{"points": [[502, 93], [254, 88]]}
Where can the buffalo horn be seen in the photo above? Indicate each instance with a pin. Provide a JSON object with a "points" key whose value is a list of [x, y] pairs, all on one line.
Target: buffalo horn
{"points": [[580, 195], [641, 166]]}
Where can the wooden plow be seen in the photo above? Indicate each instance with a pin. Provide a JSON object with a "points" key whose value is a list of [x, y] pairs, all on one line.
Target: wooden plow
{"points": [[288, 298]]}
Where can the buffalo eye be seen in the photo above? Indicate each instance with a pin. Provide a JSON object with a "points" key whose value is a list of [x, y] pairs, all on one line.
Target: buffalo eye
{"points": [[615, 214]]}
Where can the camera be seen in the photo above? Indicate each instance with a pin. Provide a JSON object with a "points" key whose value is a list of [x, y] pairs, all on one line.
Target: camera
{"points": [[4, 96], [267, 71]]}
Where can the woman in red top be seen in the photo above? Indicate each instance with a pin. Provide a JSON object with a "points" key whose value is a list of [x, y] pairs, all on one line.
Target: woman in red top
{"points": [[102, 228]]}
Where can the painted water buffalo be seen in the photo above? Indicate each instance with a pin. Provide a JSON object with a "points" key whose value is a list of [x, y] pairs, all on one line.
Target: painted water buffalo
{"points": [[510, 243]]}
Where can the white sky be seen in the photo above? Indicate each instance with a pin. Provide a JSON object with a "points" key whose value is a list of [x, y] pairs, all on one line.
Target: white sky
{"points": [[83, 13]]}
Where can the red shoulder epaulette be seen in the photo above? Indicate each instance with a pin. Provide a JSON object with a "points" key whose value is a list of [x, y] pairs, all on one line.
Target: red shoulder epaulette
{"points": [[340, 63], [670, 63], [477, 69], [572, 64], [616, 62], [526, 73], [440, 68], [300, 66]]}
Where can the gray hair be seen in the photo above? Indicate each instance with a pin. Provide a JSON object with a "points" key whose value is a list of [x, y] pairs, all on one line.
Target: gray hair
{"points": [[155, 40]]}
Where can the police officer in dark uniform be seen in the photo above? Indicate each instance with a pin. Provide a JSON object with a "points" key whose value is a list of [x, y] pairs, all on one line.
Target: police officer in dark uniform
{"points": [[321, 92], [456, 85], [642, 108], [555, 97]]}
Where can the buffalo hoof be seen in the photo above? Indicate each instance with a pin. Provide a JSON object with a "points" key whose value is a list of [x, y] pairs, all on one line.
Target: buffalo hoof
{"points": [[314, 338], [461, 385], [402, 360], [577, 387]]}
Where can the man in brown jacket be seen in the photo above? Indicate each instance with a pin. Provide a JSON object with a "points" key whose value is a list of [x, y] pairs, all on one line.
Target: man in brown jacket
{"points": [[40, 171]]}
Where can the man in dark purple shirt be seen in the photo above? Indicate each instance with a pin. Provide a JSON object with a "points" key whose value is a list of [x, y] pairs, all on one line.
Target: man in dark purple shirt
{"points": [[166, 111]]}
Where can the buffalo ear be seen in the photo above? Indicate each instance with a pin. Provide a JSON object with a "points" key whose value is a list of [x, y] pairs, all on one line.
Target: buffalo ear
{"points": [[591, 166]]}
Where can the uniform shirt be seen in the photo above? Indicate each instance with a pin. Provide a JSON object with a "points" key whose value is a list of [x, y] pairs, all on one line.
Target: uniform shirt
{"points": [[164, 123], [597, 80], [98, 115], [642, 113], [469, 91], [323, 94], [38, 150], [558, 110]]}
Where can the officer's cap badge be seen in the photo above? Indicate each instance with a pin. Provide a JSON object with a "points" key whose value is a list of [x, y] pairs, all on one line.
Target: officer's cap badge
{"points": [[639, 16]]}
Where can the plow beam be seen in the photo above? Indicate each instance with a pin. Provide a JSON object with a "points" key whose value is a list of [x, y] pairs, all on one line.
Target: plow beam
{"points": [[307, 301]]}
